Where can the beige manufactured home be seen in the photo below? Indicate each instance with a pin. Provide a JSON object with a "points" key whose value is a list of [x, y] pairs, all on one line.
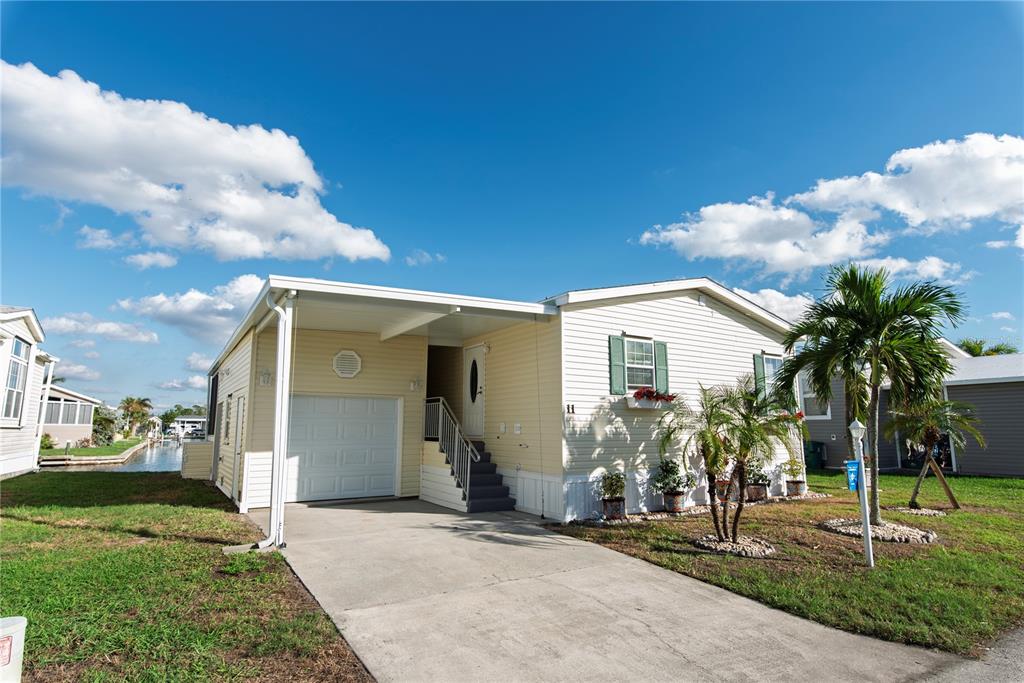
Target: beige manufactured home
{"points": [[28, 371], [68, 416], [471, 403]]}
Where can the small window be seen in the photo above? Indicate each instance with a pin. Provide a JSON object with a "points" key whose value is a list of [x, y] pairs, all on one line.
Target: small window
{"points": [[53, 412], [69, 414], [85, 414], [227, 420], [639, 363], [772, 365], [17, 374], [809, 402]]}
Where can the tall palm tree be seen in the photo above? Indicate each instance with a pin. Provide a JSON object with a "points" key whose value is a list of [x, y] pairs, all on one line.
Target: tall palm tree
{"points": [[135, 410], [702, 429], [924, 422], [980, 347], [756, 423], [863, 324]]}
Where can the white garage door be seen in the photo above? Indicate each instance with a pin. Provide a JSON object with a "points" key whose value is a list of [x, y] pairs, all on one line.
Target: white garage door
{"points": [[342, 447]]}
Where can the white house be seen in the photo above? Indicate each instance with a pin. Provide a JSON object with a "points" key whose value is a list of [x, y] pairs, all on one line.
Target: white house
{"points": [[68, 415], [28, 371], [477, 404], [189, 424]]}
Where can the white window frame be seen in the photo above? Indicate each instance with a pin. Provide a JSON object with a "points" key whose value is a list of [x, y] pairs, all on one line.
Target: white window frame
{"points": [[768, 381], [15, 359], [627, 365], [803, 403]]}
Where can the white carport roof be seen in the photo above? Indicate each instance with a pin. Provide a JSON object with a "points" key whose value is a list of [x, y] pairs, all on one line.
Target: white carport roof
{"points": [[987, 369], [445, 319]]}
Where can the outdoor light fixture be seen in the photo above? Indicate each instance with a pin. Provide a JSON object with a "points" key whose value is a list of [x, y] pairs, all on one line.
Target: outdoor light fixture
{"points": [[857, 430]]}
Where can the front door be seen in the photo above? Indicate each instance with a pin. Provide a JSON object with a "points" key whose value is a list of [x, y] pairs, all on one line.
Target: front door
{"points": [[473, 395]]}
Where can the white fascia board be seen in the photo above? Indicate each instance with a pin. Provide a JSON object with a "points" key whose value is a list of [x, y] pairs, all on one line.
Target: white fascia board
{"points": [[251, 318], [702, 284], [984, 380], [410, 295], [953, 349], [33, 322], [74, 394]]}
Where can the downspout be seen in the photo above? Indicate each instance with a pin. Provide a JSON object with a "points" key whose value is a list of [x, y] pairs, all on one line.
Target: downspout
{"points": [[279, 459], [44, 404]]}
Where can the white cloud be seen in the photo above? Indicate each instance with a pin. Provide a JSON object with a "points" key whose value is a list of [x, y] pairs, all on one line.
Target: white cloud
{"points": [[92, 355], [85, 323], [782, 239], [189, 181], [101, 238], [207, 316], [947, 183], [193, 382], [1002, 244], [787, 306], [82, 343], [1008, 329], [199, 362], [151, 259], [1002, 315], [76, 371], [421, 258], [928, 268]]}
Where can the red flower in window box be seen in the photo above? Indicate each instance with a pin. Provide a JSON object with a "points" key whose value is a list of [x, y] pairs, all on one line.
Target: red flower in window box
{"points": [[649, 394]]}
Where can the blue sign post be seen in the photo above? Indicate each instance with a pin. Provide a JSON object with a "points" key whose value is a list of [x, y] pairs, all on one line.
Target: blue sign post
{"points": [[852, 474]]}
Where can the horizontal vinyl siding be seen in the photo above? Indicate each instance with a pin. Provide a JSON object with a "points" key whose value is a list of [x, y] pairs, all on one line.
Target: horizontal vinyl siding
{"points": [[1000, 412], [821, 429], [522, 384], [233, 382], [18, 443], [707, 344], [387, 370], [196, 460]]}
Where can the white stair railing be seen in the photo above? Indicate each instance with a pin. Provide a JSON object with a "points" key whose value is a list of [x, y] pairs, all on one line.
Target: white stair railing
{"points": [[440, 425]]}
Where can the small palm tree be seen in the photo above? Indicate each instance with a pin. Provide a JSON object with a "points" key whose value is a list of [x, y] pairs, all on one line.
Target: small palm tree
{"points": [[864, 326], [924, 422], [980, 347], [756, 423], [702, 429]]}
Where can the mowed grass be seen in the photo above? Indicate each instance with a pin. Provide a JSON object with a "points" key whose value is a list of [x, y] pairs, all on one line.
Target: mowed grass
{"points": [[122, 577], [956, 595], [116, 448]]}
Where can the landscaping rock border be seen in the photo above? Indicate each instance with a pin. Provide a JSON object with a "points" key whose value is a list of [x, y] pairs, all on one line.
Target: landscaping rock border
{"points": [[887, 531], [642, 517], [923, 512], [745, 546]]}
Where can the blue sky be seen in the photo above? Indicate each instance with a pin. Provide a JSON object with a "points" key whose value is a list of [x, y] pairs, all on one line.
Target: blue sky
{"points": [[508, 150]]}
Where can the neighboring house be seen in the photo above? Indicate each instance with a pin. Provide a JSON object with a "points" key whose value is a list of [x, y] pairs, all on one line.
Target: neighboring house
{"points": [[28, 371], [68, 416], [993, 385], [189, 424], [386, 384]]}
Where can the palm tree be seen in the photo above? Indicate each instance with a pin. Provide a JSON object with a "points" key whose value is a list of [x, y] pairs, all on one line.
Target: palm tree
{"points": [[703, 431], [135, 411], [980, 347], [924, 422], [865, 325], [756, 422]]}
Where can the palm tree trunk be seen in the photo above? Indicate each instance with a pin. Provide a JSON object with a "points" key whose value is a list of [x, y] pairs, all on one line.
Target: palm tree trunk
{"points": [[873, 507], [917, 485], [713, 502], [725, 507], [741, 475]]}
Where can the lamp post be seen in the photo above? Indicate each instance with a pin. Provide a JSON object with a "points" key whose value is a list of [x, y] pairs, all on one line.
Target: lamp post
{"points": [[857, 432]]}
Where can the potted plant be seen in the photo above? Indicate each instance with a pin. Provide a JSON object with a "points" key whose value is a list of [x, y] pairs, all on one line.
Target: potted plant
{"points": [[722, 485], [613, 495], [757, 485], [672, 484], [796, 485]]}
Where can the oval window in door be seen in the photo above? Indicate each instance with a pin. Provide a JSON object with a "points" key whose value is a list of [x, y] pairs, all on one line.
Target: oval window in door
{"points": [[474, 376]]}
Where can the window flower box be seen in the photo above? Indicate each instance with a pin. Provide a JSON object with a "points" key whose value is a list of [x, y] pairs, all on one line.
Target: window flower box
{"points": [[649, 399]]}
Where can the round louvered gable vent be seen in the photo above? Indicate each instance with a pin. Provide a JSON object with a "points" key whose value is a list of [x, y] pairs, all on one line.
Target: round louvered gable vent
{"points": [[347, 364]]}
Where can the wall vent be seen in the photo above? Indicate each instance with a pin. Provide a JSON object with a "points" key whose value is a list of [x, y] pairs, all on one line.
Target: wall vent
{"points": [[347, 364]]}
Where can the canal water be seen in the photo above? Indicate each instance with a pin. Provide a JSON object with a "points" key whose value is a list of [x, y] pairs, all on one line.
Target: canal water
{"points": [[165, 457]]}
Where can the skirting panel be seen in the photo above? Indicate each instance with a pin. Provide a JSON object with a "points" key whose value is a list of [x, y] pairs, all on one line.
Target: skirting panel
{"points": [[255, 480], [535, 494]]}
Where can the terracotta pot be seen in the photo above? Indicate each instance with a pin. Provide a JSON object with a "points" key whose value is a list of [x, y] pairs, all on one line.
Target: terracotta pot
{"points": [[614, 508], [795, 487], [675, 501], [756, 492]]}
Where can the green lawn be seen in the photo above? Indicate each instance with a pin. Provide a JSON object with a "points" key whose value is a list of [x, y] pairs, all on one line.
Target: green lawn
{"points": [[955, 595], [122, 577], [116, 448]]}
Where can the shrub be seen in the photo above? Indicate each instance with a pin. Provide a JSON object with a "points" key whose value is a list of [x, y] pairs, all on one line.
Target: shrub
{"points": [[668, 479], [613, 485], [794, 469], [46, 441]]}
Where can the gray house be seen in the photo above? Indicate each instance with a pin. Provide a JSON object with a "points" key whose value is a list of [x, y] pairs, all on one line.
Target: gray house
{"points": [[994, 385]]}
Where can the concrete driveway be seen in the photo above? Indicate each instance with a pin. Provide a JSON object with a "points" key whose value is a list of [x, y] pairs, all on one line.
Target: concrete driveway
{"points": [[427, 594]]}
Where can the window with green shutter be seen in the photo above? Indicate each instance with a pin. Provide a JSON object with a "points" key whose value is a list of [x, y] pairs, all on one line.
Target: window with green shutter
{"points": [[617, 364], [637, 364]]}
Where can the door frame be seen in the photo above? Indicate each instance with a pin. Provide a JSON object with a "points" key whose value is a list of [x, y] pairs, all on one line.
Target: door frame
{"points": [[236, 443], [466, 402], [399, 437]]}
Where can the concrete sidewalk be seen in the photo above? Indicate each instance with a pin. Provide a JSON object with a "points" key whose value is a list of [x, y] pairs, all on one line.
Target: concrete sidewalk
{"points": [[427, 594]]}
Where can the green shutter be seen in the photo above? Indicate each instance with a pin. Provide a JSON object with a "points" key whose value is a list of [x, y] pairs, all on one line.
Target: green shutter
{"points": [[660, 367], [759, 374], [617, 364]]}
